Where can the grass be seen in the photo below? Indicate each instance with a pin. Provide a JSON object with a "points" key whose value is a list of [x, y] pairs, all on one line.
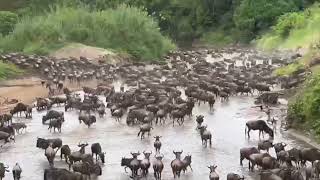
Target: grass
{"points": [[8, 70], [302, 32], [125, 29], [289, 69]]}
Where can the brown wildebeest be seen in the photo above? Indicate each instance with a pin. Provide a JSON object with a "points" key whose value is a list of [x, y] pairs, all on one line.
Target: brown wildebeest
{"points": [[177, 164], [246, 152], [265, 145], [205, 135], [158, 167], [145, 163], [258, 125], [233, 176], [143, 129], [157, 143], [66, 151], [186, 163]]}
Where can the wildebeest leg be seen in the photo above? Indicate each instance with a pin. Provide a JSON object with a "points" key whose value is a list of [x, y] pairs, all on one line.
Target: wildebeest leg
{"points": [[210, 141], [241, 159]]}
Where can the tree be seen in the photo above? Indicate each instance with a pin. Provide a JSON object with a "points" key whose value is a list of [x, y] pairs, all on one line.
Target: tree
{"points": [[254, 16], [7, 22]]}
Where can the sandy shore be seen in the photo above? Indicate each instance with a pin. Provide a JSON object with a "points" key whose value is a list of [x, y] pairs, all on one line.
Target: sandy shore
{"points": [[27, 89]]}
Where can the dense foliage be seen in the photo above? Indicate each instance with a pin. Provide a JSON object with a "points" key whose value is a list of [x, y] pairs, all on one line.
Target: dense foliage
{"points": [[293, 30], [125, 29], [7, 22], [304, 111], [8, 70]]}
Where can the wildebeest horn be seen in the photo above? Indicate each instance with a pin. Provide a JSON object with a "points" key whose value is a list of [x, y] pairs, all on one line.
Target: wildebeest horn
{"points": [[173, 152], [209, 167], [144, 152]]}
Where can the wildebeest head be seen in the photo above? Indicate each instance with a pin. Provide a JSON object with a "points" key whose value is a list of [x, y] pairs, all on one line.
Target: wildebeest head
{"points": [[157, 138], [279, 147], [135, 155], [147, 154], [102, 156], [178, 154], [212, 168]]}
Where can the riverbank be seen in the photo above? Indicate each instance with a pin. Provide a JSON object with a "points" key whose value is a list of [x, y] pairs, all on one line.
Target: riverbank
{"points": [[26, 90]]}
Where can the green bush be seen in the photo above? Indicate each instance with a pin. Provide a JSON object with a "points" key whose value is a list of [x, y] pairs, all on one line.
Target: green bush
{"points": [[294, 30], [127, 29], [7, 22], [303, 110], [289, 69], [8, 70], [287, 22]]}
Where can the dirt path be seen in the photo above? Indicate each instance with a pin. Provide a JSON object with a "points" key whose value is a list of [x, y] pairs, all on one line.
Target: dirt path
{"points": [[27, 89]]}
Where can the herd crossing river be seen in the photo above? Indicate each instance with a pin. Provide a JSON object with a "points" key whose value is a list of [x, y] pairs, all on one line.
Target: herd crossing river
{"points": [[226, 121]]}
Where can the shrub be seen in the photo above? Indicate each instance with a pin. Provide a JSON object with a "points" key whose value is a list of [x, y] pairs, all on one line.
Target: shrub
{"points": [[127, 29], [8, 70], [7, 22], [289, 69], [289, 21], [216, 38]]}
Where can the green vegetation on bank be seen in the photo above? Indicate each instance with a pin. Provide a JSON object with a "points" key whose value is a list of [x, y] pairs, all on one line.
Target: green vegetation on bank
{"points": [[126, 29], [294, 30], [8, 70], [303, 110]]}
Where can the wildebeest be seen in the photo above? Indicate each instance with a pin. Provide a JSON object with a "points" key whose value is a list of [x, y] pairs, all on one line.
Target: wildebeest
{"points": [[246, 152], [3, 170], [87, 119], [6, 137], [256, 159], [186, 163], [20, 107], [61, 174], [145, 163], [265, 145], [132, 163], [16, 172], [279, 147], [258, 125], [18, 126], [233, 176], [213, 174], [8, 129], [52, 114], [66, 151], [87, 169], [176, 164], [97, 150], [205, 135], [143, 129], [78, 155], [295, 155], [309, 154], [158, 167], [50, 154], [157, 144], [55, 123], [44, 143]]}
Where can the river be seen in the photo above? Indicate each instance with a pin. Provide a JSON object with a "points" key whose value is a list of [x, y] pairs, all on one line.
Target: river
{"points": [[226, 122]]}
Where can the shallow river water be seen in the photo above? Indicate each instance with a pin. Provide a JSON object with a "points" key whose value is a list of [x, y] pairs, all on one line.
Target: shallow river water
{"points": [[226, 122]]}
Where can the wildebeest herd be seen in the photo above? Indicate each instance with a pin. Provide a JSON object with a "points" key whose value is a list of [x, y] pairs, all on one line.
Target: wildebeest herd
{"points": [[151, 96]]}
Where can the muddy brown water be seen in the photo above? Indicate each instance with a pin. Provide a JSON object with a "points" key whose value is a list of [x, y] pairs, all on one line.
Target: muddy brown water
{"points": [[226, 122]]}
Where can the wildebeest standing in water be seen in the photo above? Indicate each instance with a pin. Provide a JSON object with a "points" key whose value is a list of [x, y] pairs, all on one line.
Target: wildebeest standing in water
{"points": [[205, 136], [50, 154], [143, 129], [157, 144], [176, 164], [233, 176], [145, 163], [44, 143], [97, 150], [66, 151], [158, 167], [61, 174], [258, 125], [16, 172]]}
